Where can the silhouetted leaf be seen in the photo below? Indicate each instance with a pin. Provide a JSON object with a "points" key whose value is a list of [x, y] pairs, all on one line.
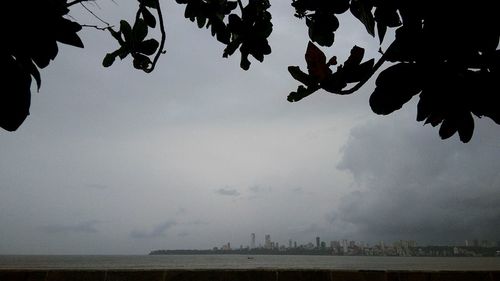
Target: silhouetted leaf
{"points": [[15, 97], [355, 57], [448, 128], [381, 30], [466, 127], [141, 61], [149, 19], [358, 72], [150, 3], [148, 47], [299, 75], [361, 9], [316, 62], [301, 93], [140, 30], [108, 60], [334, 83], [66, 33], [394, 87], [126, 30]]}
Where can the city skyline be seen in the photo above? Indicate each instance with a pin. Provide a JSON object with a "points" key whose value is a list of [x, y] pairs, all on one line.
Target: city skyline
{"points": [[317, 242]]}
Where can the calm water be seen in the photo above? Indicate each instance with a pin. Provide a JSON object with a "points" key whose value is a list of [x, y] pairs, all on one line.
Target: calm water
{"points": [[244, 262]]}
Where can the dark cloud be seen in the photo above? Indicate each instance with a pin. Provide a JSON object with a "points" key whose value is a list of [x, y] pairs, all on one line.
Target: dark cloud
{"points": [[83, 227], [228, 192], [158, 231], [408, 184]]}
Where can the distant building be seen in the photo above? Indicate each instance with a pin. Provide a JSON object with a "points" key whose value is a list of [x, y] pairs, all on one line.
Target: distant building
{"points": [[290, 243], [267, 243], [252, 242], [317, 242]]}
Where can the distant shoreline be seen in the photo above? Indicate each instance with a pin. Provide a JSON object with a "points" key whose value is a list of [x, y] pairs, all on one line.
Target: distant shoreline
{"points": [[487, 252]]}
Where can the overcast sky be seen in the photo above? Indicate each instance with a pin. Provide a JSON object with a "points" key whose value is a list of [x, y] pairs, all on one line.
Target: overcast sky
{"points": [[201, 153]]}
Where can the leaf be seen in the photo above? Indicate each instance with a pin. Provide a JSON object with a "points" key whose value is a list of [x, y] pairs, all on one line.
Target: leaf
{"points": [[362, 10], [394, 87], [150, 3], [381, 30], [334, 83], [67, 33], [448, 128], [15, 98], [148, 47], [301, 93], [141, 61], [357, 73], [148, 18], [108, 60], [466, 127], [126, 30], [35, 73], [299, 75], [140, 30], [316, 62], [355, 57]]}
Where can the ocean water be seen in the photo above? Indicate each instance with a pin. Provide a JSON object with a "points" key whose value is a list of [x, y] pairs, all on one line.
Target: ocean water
{"points": [[248, 262]]}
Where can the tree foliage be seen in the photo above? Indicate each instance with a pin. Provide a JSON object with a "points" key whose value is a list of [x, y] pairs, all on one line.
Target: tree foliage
{"points": [[446, 52]]}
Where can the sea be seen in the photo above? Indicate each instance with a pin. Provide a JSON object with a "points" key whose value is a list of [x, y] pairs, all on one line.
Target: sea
{"points": [[144, 262]]}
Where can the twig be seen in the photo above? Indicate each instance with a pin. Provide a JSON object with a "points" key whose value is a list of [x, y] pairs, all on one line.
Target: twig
{"points": [[96, 27], [76, 2], [90, 11], [162, 42], [365, 79]]}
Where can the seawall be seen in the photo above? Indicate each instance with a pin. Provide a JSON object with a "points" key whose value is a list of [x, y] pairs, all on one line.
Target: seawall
{"points": [[243, 275]]}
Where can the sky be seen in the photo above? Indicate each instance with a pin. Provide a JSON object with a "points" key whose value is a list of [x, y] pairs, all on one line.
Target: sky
{"points": [[200, 153]]}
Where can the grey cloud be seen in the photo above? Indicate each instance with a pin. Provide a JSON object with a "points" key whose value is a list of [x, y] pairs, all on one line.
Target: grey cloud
{"points": [[228, 192], [260, 189], [83, 227], [411, 185], [158, 231], [97, 186], [181, 211]]}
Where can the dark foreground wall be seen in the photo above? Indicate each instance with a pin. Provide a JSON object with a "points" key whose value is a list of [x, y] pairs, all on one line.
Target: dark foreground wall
{"points": [[243, 275]]}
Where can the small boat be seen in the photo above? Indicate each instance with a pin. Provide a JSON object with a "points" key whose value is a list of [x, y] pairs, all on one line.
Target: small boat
{"points": [[250, 258]]}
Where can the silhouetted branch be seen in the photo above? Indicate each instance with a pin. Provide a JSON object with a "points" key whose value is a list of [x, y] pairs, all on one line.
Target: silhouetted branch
{"points": [[365, 79], [96, 27], [76, 2], [90, 11], [163, 36]]}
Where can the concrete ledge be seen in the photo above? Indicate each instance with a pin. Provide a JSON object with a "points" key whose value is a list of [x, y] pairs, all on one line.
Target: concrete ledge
{"points": [[244, 275]]}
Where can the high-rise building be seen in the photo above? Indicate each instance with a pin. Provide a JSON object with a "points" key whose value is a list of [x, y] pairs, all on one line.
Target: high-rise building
{"points": [[290, 243], [317, 242], [267, 243], [252, 243]]}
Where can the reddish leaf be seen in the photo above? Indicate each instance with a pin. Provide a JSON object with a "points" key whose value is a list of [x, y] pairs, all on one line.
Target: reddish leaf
{"points": [[316, 63]]}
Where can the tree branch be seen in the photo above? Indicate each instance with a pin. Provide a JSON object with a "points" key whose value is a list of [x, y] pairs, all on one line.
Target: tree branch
{"points": [[92, 13], [162, 42], [76, 2], [96, 27], [364, 80]]}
